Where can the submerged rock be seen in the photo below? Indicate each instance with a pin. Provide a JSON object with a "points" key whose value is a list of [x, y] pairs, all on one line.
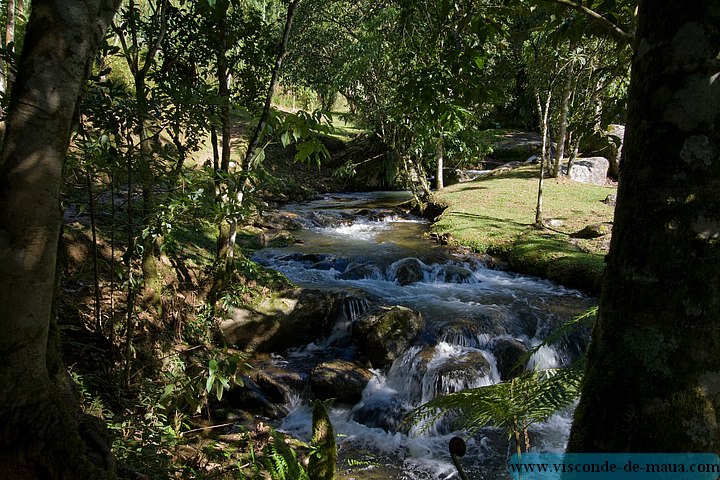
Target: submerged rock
{"points": [[383, 333], [407, 271], [359, 271]]}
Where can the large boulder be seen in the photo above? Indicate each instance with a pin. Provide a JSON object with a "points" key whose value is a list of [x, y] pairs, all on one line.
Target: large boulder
{"points": [[339, 379], [383, 333], [292, 319], [511, 357], [407, 271], [592, 170]]}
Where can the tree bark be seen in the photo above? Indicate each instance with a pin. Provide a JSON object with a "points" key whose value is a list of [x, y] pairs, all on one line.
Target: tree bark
{"points": [[40, 437], [564, 108], [653, 379], [439, 156], [544, 115]]}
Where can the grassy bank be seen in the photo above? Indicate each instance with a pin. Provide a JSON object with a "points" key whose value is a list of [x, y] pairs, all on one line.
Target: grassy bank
{"points": [[495, 213]]}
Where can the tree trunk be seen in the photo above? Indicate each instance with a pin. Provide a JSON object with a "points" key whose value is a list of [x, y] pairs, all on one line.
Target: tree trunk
{"points": [[564, 108], [282, 51], [223, 186], [544, 115], [40, 437], [653, 379], [439, 154], [226, 242]]}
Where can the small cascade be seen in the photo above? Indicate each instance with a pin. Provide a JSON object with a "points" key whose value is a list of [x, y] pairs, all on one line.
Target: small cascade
{"points": [[479, 325], [422, 374], [352, 308]]}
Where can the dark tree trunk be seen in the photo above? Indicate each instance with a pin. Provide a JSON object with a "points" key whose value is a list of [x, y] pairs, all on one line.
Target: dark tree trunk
{"points": [[653, 380], [40, 436]]}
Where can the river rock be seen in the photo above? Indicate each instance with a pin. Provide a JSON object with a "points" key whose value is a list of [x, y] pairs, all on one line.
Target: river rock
{"points": [[383, 333], [280, 239], [279, 384], [407, 271], [295, 318], [250, 397], [511, 356], [456, 274], [318, 261], [339, 379], [359, 271], [592, 170], [460, 373]]}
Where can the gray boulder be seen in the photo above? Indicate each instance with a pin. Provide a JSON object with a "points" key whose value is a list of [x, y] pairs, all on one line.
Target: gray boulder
{"points": [[383, 333], [339, 379], [592, 170]]}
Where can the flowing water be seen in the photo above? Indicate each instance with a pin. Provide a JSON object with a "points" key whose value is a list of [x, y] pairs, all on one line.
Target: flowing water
{"points": [[357, 243]]}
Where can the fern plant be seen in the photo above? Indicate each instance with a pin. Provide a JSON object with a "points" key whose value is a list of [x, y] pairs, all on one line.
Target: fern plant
{"points": [[282, 462]]}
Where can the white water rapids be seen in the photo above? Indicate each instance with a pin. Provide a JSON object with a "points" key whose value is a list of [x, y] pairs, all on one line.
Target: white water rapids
{"points": [[357, 242]]}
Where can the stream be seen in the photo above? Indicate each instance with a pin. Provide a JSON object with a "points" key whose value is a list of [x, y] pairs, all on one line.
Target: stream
{"points": [[360, 243]]}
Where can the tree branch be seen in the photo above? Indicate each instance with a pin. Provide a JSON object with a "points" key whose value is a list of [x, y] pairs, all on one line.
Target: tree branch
{"points": [[617, 32]]}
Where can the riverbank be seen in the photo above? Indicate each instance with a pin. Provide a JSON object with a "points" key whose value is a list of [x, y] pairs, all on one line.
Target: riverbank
{"points": [[494, 214]]}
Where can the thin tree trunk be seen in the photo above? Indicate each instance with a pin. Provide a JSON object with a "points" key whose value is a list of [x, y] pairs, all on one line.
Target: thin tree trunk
{"points": [[227, 249], [40, 435], [111, 334], [151, 275], [653, 377], [96, 273], [544, 121], [564, 108], [282, 51], [439, 154], [223, 186], [130, 297]]}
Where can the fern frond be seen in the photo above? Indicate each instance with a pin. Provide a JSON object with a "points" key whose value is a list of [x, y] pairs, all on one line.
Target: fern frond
{"points": [[530, 398], [284, 464], [585, 319]]}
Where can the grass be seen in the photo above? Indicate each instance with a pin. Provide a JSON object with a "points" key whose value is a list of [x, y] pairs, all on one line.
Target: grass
{"points": [[494, 214]]}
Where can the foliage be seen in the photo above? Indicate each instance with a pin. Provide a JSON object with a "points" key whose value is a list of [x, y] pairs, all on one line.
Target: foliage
{"points": [[283, 463], [323, 451]]}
